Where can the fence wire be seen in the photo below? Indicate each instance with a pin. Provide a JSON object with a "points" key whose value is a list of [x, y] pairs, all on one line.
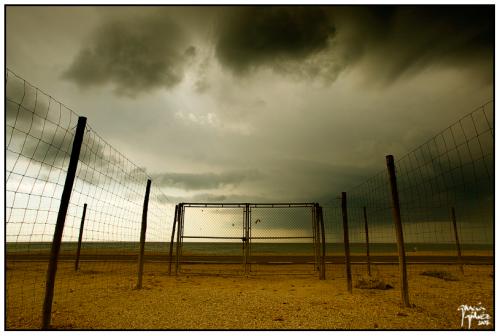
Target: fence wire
{"points": [[451, 172], [39, 137], [272, 239]]}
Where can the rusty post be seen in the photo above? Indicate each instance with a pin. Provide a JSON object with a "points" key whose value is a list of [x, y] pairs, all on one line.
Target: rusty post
{"points": [[79, 247], [396, 215], [346, 243], [144, 225]]}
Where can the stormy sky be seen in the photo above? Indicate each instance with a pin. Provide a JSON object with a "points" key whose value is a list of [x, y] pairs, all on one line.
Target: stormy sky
{"points": [[259, 103]]}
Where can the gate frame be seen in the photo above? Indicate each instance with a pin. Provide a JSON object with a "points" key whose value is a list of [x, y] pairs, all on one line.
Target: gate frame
{"points": [[318, 230]]}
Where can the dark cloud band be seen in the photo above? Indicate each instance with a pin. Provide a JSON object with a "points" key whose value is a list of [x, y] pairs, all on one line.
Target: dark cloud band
{"points": [[189, 181]]}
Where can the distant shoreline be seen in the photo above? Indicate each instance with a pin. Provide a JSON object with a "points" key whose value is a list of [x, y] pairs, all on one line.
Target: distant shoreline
{"points": [[477, 259]]}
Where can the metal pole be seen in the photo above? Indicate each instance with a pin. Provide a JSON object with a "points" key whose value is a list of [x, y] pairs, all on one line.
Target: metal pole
{"points": [[80, 237], [61, 217], [346, 243], [249, 241], [459, 250], [183, 213], [367, 242], [246, 224], [143, 235], [323, 247], [172, 241], [396, 215]]}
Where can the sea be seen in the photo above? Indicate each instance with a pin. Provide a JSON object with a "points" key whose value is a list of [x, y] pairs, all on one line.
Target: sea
{"points": [[227, 249]]}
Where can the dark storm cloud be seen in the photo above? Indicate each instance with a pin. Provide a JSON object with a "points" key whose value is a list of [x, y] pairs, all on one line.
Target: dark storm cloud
{"points": [[135, 55], [393, 40], [189, 181], [253, 36], [410, 38]]}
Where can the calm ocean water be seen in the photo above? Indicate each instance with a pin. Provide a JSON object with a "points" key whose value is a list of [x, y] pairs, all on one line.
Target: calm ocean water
{"points": [[236, 248]]}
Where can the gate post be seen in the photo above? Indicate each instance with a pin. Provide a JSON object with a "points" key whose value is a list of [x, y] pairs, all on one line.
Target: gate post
{"points": [[180, 228], [171, 247], [246, 237]]}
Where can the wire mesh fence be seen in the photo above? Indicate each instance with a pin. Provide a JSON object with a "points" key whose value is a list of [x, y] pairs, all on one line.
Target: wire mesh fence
{"points": [[248, 238], [39, 138], [446, 195], [286, 236]]}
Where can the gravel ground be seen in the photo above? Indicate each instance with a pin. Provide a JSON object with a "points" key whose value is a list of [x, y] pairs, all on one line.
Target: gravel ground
{"points": [[99, 299]]}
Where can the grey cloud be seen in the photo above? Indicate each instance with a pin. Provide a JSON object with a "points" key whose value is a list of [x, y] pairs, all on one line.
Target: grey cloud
{"points": [[189, 181], [252, 36], [418, 36], [390, 41], [136, 55]]}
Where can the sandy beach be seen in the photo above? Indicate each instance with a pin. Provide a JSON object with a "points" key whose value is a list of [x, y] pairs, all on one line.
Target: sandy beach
{"points": [[102, 296]]}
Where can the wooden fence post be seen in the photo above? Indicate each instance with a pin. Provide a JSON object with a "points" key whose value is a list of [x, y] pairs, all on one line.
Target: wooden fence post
{"points": [[61, 218], [172, 241], [144, 225], [396, 215], [346, 243], [80, 235], [317, 234], [367, 242], [323, 244], [459, 250]]}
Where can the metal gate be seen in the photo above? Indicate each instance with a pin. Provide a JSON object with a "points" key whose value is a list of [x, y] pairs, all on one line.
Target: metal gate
{"points": [[248, 238]]}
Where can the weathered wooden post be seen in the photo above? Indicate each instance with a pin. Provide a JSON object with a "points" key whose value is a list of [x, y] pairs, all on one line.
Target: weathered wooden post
{"points": [[346, 243], [314, 224], [459, 250], [317, 233], [172, 241], [396, 215], [61, 218], [144, 225], [323, 244], [80, 235], [367, 242]]}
